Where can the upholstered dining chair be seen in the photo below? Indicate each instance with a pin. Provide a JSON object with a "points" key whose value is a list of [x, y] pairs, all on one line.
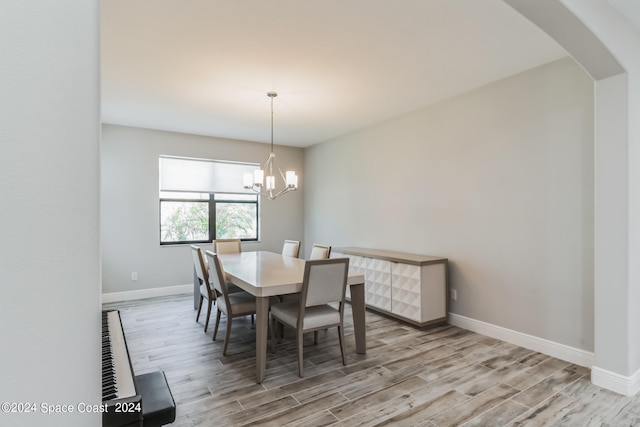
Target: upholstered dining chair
{"points": [[320, 252], [206, 293], [324, 282], [291, 248], [317, 252], [233, 305], [227, 246]]}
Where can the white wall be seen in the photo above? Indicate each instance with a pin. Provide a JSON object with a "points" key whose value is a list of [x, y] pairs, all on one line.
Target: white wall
{"points": [[130, 207], [499, 180], [604, 37], [49, 181], [618, 154]]}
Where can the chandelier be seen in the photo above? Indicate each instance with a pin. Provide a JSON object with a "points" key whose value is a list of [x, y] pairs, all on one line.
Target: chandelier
{"points": [[257, 183]]}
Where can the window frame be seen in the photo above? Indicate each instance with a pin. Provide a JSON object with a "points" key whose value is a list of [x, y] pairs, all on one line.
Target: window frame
{"points": [[211, 201], [213, 212]]}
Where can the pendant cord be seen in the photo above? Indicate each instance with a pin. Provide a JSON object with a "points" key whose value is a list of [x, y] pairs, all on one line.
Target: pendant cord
{"points": [[272, 95]]}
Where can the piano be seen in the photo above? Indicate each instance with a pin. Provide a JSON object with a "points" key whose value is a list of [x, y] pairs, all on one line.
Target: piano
{"points": [[130, 400]]}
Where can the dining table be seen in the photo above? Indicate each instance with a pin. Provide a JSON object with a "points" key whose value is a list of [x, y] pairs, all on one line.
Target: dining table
{"points": [[266, 274]]}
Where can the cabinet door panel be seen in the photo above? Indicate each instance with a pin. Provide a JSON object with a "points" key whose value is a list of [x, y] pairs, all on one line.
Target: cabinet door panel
{"points": [[377, 279], [406, 290]]}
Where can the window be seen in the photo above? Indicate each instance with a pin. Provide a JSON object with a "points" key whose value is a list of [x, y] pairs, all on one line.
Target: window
{"points": [[236, 216], [184, 217], [203, 217], [196, 205]]}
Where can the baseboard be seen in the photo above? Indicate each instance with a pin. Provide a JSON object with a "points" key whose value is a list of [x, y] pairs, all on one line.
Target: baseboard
{"points": [[146, 293], [550, 348], [627, 386]]}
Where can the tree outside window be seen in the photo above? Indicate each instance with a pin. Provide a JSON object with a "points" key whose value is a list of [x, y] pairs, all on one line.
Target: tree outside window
{"points": [[186, 217]]}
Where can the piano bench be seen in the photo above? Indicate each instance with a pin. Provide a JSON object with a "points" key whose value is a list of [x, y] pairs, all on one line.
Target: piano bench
{"points": [[158, 406]]}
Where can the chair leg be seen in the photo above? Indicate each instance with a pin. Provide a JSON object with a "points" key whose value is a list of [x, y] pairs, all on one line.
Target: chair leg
{"points": [[300, 337], [274, 333], [280, 331], [315, 337], [227, 335], [199, 308], [341, 338], [206, 325], [215, 329]]}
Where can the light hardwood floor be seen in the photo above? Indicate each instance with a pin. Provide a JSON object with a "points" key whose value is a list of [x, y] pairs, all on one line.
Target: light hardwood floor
{"points": [[442, 376]]}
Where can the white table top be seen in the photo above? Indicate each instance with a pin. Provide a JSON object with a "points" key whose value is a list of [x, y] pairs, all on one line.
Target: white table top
{"points": [[265, 274]]}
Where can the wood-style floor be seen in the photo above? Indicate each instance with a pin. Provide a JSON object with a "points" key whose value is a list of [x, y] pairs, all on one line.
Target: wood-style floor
{"points": [[443, 376]]}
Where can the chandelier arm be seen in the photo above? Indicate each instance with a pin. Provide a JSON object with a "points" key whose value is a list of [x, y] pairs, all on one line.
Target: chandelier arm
{"points": [[284, 190], [264, 166], [259, 191]]}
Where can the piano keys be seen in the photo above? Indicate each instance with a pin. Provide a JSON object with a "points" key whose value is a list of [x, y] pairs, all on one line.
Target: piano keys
{"points": [[119, 392], [130, 400]]}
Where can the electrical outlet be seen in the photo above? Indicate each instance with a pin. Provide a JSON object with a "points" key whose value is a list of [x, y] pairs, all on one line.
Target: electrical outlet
{"points": [[454, 294], [134, 275]]}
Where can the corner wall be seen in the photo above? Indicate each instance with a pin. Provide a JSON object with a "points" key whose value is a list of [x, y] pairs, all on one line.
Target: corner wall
{"points": [[604, 37], [130, 226], [49, 219]]}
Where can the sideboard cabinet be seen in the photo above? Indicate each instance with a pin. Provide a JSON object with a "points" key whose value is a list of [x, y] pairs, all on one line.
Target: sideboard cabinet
{"points": [[406, 286]]}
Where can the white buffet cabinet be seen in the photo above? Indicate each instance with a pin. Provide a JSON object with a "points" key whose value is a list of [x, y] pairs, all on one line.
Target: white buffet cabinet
{"points": [[406, 286]]}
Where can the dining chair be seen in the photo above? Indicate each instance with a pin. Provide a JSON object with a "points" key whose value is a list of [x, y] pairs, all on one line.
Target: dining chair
{"points": [[227, 246], [291, 248], [324, 282], [320, 252], [233, 305], [206, 293], [317, 252]]}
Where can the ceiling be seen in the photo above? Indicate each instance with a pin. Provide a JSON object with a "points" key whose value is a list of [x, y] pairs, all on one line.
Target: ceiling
{"points": [[205, 66]]}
